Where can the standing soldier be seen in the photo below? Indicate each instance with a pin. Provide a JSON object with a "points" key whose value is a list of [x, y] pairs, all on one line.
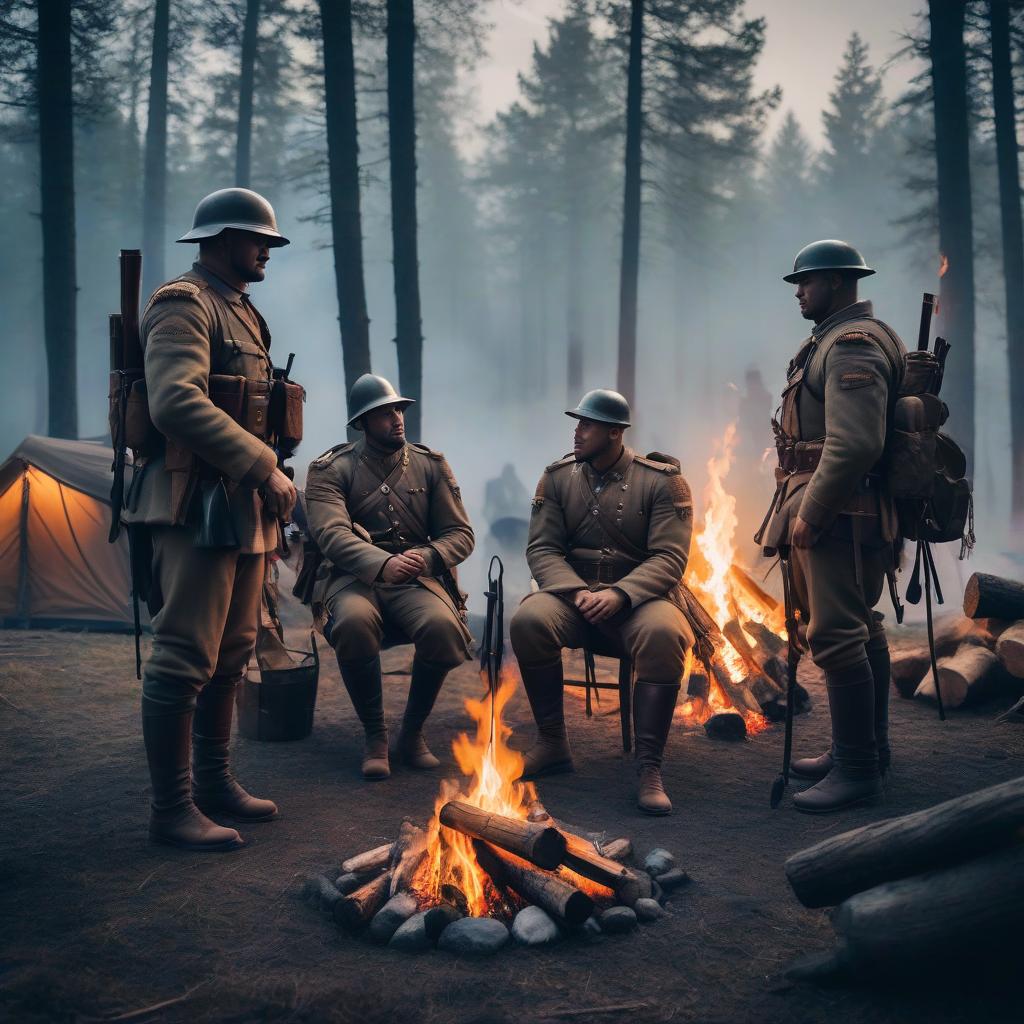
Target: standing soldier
{"points": [[388, 518], [832, 511], [608, 546], [209, 496]]}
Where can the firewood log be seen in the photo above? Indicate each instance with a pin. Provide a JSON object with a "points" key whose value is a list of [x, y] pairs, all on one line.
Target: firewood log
{"points": [[583, 857], [773, 609], [406, 856], [355, 910], [726, 725], [830, 871], [738, 694], [533, 841], [561, 900], [909, 668], [1010, 649], [961, 675], [969, 913], [617, 849], [698, 687], [370, 863], [767, 640], [993, 597], [733, 632]]}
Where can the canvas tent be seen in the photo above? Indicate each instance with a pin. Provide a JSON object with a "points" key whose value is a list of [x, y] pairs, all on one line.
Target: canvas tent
{"points": [[56, 566]]}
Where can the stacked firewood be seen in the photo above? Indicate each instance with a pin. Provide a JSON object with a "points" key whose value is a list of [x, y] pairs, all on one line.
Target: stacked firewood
{"points": [[977, 656], [943, 886]]}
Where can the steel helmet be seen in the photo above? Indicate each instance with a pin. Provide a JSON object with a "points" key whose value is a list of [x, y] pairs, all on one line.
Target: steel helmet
{"points": [[602, 406], [371, 392], [828, 254], [238, 208]]}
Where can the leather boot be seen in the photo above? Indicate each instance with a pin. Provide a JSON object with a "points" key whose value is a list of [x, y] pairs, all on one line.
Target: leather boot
{"points": [[550, 755], [362, 679], [175, 819], [816, 768], [854, 777], [214, 789], [653, 707], [411, 748]]}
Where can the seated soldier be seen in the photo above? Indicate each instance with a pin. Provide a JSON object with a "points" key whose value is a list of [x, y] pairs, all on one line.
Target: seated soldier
{"points": [[387, 516], [609, 540]]}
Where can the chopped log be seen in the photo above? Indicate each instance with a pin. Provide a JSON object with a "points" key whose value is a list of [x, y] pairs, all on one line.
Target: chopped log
{"points": [[908, 669], [773, 609], [533, 841], [561, 900], [993, 597], [834, 869], [618, 849], [369, 863], [966, 914], [766, 639], [961, 675], [739, 696], [583, 857], [726, 725], [763, 689], [355, 910], [1010, 650], [406, 856], [733, 632]]}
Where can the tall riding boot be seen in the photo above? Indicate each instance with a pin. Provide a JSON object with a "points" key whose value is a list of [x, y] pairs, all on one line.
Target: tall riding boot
{"points": [[411, 748], [175, 819], [653, 707], [362, 679], [214, 789], [550, 755], [854, 777]]}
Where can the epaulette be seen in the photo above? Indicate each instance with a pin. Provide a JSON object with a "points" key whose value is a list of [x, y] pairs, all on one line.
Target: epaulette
{"points": [[331, 454], [858, 336], [424, 450], [179, 289], [563, 461], [661, 467]]}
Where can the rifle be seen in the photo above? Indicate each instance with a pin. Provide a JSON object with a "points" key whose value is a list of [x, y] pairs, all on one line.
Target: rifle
{"points": [[793, 655], [492, 650]]}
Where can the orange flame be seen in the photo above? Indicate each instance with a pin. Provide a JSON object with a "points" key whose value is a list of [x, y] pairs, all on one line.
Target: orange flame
{"points": [[943, 265]]}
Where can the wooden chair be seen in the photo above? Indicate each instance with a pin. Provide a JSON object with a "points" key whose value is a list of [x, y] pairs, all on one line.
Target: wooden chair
{"points": [[607, 648]]}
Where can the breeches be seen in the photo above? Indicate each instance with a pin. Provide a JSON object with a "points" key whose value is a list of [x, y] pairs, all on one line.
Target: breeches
{"points": [[359, 615], [656, 636], [208, 614], [840, 623]]}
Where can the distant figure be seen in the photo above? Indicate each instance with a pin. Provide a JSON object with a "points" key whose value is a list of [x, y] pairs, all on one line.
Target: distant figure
{"points": [[507, 512], [505, 495]]}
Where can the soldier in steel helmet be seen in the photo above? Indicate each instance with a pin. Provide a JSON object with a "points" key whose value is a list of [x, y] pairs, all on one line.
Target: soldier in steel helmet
{"points": [[608, 545], [205, 601], [832, 513], [388, 518]]}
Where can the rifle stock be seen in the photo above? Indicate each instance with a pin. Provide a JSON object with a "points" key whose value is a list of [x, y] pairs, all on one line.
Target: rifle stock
{"points": [[131, 287]]}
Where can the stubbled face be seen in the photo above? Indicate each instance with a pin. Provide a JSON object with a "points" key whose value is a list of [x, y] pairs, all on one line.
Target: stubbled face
{"points": [[815, 291], [593, 439], [385, 426], [246, 253]]}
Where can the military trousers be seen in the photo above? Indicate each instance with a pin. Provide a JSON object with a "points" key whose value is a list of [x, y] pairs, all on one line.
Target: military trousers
{"points": [[656, 636], [838, 610], [359, 617], [205, 606]]}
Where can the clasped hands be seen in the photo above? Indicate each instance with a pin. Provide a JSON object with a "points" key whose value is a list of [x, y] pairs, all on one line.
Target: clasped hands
{"points": [[400, 568], [598, 605]]}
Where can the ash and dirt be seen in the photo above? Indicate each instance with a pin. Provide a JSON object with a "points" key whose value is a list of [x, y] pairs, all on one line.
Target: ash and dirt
{"points": [[97, 922]]}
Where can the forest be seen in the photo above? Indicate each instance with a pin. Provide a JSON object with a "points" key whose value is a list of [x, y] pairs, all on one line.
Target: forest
{"points": [[625, 222]]}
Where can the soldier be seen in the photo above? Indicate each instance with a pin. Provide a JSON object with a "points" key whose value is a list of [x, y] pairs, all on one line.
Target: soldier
{"points": [[204, 600], [609, 540], [388, 518], [832, 511]]}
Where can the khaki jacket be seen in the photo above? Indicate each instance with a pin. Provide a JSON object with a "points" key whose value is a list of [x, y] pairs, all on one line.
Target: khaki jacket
{"points": [[576, 515], [363, 506], [193, 326]]}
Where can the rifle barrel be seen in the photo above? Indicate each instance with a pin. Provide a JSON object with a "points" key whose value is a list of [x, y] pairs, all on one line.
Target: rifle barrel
{"points": [[925, 330]]}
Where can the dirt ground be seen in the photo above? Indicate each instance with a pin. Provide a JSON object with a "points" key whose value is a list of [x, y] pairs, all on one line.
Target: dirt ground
{"points": [[99, 924]]}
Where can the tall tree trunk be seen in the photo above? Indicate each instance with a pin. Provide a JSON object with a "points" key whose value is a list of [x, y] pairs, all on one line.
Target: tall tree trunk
{"points": [[1013, 241], [401, 39], [952, 158], [154, 172], [574, 186], [629, 274], [343, 176], [246, 88], [57, 195]]}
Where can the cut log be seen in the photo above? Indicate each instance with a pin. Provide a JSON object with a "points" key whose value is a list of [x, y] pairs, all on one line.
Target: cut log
{"points": [[370, 863], [583, 857], [406, 856], [765, 638], [355, 910], [908, 669], [829, 872], [739, 696], [962, 915], [773, 609], [617, 849], [962, 675], [726, 725], [1010, 649], [993, 597], [561, 900], [733, 632], [533, 841], [763, 689]]}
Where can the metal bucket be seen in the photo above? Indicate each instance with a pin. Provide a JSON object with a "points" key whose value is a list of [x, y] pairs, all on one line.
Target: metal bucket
{"points": [[279, 705]]}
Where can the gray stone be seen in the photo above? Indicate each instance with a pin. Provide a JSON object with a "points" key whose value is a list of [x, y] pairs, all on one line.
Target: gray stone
{"points": [[617, 920], [474, 936], [347, 883], [533, 927], [319, 891], [439, 917], [391, 916], [412, 936], [591, 928], [672, 879], [658, 861], [647, 910]]}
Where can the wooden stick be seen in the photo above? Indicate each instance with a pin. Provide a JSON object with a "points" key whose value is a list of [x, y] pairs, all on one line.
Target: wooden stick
{"points": [[406, 856], [533, 841], [356, 909], [368, 863], [582, 857], [618, 849]]}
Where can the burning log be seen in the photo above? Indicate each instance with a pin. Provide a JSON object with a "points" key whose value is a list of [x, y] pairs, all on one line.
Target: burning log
{"points": [[741, 579], [767, 640], [536, 811], [993, 597], [734, 633], [833, 870], [698, 687], [1010, 649], [370, 863], [738, 694], [583, 857], [533, 841], [355, 910], [406, 856], [561, 900], [964, 673], [726, 725]]}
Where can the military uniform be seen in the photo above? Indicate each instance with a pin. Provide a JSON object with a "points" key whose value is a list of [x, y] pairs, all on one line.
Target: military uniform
{"points": [[365, 504]]}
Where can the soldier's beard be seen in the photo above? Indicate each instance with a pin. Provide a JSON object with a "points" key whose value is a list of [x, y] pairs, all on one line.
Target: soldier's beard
{"points": [[386, 440]]}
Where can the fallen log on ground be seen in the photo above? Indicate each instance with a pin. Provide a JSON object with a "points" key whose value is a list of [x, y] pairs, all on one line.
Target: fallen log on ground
{"points": [[355, 910], [533, 841], [1010, 649], [369, 863], [829, 872], [909, 668], [582, 857], [961, 675], [993, 597], [561, 900]]}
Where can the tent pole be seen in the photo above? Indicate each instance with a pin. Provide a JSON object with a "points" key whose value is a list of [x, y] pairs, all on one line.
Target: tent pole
{"points": [[23, 610]]}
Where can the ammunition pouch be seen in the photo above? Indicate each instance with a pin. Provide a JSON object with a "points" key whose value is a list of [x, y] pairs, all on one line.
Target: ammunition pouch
{"points": [[128, 413], [798, 456]]}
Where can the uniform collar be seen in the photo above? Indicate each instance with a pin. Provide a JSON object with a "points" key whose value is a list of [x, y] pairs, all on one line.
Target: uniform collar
{"points": [[855, 311], [219, 285], [385, 456], [617, 470]]}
